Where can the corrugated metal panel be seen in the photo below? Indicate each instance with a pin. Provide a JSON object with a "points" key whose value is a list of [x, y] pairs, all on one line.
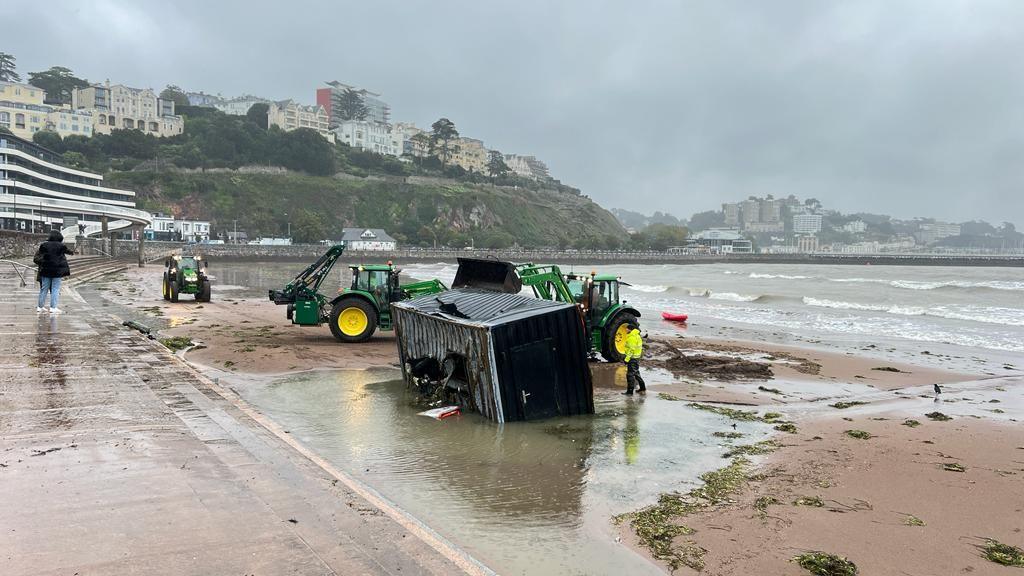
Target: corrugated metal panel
{"points": [[480, 305], [500, 327]]}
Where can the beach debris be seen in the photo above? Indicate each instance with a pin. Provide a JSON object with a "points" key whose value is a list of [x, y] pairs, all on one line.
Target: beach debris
{"points": [[176, 343], [889, 369], [44, 452], [757, 449], [996, 551], [136, 326], [787, 427], [937, 388], [911, 520], [728, 412], [667, 396], [953, 467], [825, 564], [938, 416], [441, 413], [769, 390], [909, 422], [772, 416], [812, 501], [858, 434], [657, 526], [729, 435], [762, 503], [845, 405]]}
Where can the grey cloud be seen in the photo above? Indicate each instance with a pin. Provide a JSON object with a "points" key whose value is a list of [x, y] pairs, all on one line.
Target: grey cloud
{"points": [[912, 108]]}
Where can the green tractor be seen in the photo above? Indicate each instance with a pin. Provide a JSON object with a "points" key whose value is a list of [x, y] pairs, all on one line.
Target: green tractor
{"points": [[185, 275], [607, 318], [356, 312]]}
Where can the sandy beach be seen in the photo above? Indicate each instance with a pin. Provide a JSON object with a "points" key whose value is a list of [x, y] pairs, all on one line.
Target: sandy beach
{"points": [[869, 488]]}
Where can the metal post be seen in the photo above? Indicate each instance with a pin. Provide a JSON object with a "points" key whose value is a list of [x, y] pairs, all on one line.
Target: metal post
{"points": [[105, 235], [142, 238]]}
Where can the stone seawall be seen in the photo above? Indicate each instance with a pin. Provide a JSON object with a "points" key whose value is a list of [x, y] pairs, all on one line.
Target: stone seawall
{"points": [[19, 244], [310, 252]]}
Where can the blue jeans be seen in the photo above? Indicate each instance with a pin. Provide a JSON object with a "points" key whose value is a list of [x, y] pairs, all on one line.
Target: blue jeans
{"points": [[51, 285]]}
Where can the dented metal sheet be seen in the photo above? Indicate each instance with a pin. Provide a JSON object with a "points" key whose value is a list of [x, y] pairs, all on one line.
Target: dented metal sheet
{"points": [[510, 357]]}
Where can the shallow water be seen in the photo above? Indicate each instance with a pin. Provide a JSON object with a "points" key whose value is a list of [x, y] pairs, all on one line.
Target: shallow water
{"points": [[524, 498]]}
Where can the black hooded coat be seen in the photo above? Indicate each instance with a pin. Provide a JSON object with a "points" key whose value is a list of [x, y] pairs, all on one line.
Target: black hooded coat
{"points": [[51, 257]]}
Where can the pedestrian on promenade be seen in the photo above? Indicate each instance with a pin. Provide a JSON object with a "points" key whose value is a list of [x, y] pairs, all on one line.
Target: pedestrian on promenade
{"points": [[634, 350], [52, 263]]}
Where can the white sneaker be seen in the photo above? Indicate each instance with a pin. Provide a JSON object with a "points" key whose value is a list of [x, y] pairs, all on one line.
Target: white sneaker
{"points": [[55, 311], [38, 309]]}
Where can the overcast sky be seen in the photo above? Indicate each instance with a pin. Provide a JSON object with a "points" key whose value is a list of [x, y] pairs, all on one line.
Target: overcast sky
{"points": [[908, 108]]}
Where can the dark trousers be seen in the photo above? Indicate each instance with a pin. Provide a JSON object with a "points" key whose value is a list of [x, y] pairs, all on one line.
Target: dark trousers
{"points": [[633, 379]]}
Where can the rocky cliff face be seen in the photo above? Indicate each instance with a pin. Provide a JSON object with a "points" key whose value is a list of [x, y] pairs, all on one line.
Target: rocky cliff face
{"points": [[318, 207]]}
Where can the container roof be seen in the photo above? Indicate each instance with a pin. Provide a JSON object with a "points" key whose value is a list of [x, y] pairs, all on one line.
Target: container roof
{"points": [[480, 306]]}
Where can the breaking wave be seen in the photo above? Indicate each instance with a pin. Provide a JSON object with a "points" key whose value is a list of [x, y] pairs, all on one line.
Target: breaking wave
{"points": [[648, 288], [924, 285], [985, 314], [781, 276]]}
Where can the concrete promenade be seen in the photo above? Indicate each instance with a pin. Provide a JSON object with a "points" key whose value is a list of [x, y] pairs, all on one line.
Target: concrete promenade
{"points": [[116, 458]]}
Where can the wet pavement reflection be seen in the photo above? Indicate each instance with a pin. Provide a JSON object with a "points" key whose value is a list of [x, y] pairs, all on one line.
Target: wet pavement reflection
{"points": [[525, 498]]}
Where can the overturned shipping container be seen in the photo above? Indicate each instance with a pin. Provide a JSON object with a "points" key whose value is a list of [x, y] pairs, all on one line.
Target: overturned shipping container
{"points": [[507, 356]]}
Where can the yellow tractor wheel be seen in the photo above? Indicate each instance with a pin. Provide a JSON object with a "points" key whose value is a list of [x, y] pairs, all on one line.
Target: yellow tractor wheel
{"points": [[353, 320]]}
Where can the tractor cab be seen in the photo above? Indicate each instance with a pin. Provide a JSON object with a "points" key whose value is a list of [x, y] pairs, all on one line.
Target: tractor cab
{"points": [[377, 281], [185, 275]]}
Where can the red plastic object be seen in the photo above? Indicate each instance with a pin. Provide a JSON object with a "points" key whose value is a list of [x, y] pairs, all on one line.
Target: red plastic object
{"points": [[673, 317]]}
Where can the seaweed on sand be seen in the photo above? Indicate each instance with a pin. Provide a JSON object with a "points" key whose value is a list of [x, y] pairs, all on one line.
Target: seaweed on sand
{"points": [[938, 416], [812, 501], [845, 405], [657, 526], [996, 551], [176, 343], [858, 434], [758, 449], [825, 564]]}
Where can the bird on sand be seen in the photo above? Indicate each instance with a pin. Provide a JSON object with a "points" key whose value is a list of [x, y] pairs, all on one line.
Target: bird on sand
{"points": [[937, 389]]}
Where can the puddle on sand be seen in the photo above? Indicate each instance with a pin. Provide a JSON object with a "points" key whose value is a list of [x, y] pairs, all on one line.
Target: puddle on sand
{"points": [[524, 498]]}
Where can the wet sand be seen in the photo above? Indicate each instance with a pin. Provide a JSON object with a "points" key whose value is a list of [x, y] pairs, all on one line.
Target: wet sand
{"points": [[868, 487]]}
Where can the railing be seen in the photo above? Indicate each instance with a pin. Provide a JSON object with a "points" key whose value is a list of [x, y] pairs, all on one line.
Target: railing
{"points": [[15, 265]]}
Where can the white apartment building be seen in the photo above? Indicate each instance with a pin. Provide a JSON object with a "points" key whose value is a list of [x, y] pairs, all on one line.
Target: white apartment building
{"points": [[120, 107], [239, 106], [23, 112], [806, 223], [731, 210], [855, 227], [807, 244], [37, 192], [526, 166], [169, 228], [370, 136], [403, 132], [289, 116], [935, 231]]}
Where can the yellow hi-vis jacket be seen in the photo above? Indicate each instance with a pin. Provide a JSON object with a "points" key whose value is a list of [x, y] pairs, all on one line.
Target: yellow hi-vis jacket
{"points": [[634, 345]]}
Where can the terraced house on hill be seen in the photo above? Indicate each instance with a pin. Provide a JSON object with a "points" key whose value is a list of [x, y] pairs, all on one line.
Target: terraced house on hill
{"points": [[118, 107], [37, 192], [23, 112]]}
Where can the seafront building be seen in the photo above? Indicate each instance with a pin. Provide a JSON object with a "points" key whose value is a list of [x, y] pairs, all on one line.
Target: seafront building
{"points": [[806, 223], [370, 239], [24, 112], [288, 115], [719, 241], [169, 228], [526, 166], [470, 154], [931, 232], [37, 192]]}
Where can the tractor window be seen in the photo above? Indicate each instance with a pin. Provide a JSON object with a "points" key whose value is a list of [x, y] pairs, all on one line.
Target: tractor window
{"points": [[373, 281], [605, 293]]}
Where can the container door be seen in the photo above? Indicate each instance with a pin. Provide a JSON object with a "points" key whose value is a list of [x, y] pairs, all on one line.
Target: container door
{"points": [[536, 374]]}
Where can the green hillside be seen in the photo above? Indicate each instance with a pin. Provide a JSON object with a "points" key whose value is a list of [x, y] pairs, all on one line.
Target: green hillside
{"points": [[318, 207]]}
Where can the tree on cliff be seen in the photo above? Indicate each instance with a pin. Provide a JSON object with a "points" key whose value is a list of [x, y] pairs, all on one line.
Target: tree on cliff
{"points": [[351, 106], [175, 94], [496, 165], [58, 82], [442, 133], [7, 68], [257, 114]]}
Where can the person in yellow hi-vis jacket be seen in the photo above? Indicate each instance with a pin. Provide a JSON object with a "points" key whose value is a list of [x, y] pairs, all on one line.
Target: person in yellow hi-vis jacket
{"points": [[634, 350]]}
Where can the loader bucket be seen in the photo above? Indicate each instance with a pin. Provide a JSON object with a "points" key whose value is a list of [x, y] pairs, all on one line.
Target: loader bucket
{"points": [[493, 275]]}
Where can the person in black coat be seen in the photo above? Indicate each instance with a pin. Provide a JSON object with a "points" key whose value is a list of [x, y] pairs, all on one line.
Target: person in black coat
{"points": [[52, 262]]}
